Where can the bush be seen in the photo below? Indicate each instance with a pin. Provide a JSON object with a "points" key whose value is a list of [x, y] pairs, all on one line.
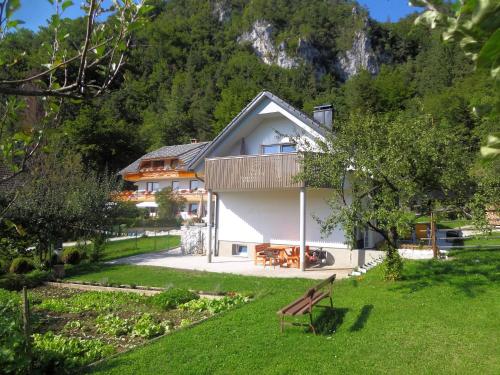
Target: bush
{"points": [[14, 281], [172, 298], [21, 265], [98, 246], [393, 265], [71, 256]]}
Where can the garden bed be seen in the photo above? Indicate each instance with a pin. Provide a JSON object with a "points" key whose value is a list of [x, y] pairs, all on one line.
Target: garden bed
{"points": [[73, 328]]}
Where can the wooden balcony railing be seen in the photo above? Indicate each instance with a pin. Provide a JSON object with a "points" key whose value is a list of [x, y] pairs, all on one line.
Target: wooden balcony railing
{"points": [[252, 172], [149, 196]]}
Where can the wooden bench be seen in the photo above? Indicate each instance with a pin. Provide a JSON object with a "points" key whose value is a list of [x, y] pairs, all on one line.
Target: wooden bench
{"points": [[304, 305]]}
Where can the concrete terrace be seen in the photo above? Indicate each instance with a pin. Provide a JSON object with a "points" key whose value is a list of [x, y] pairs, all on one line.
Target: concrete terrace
{"points": [[235, 265]]}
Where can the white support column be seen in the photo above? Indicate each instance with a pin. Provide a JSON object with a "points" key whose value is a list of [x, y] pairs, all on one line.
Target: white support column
{"points": [[209, 225], [302, 229]]}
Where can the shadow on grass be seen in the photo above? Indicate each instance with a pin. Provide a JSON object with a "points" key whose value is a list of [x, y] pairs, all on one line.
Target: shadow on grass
{"points": [[329, 320], [363, 316], [469, 271]]}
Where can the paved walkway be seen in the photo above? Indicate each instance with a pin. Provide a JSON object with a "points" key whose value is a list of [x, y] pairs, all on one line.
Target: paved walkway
{"points": [[235, 265]]}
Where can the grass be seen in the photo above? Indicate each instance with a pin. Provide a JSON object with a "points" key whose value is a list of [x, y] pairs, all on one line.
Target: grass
{"points": [[442, 318], [126, 248], [445, 223]]}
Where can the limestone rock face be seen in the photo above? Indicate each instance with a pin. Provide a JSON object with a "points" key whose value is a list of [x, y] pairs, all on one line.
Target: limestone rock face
{"points": [[359, 57], [222, 11], [260, 37]]}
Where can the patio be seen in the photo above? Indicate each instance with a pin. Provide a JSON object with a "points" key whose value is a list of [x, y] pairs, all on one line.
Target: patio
{"points": [[235, 265]]}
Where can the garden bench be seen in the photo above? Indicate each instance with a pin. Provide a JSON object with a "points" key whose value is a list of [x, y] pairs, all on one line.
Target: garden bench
{"points": [[304, 305]]}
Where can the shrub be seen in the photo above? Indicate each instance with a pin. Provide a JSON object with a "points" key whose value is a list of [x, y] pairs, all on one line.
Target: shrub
{"points": [[172, 298], [98, 246], [393, 265], [21, 265], [14, 281], [71, 256]]}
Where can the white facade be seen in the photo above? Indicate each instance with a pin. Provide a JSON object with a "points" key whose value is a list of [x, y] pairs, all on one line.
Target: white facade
{"points": [[273, 216]]}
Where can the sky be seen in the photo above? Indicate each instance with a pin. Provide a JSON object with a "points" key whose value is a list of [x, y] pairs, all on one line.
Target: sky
{"points": [[36, 12]]}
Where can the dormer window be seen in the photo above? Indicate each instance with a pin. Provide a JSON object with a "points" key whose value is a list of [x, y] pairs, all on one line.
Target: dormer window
{"points": [[279, 148], [146, 164], [174, 163], [158, 163]]}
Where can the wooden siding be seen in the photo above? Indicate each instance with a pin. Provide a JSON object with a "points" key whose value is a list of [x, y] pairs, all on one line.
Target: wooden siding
{"points": [[252, 172]]}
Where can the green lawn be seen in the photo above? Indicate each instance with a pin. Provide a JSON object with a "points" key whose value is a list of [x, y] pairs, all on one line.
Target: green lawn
{"points": [[445, 223], [126, 248], [441, 319]]}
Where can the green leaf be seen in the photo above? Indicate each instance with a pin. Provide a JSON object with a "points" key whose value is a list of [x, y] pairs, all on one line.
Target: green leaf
{"points": [[489, 56], [14, 23], [12, 6], [66, 4]]}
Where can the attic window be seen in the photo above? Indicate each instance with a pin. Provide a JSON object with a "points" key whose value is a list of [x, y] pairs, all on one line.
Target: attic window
{"points": [[146, 164], [158, 163], [174, 163], [279, 148]]}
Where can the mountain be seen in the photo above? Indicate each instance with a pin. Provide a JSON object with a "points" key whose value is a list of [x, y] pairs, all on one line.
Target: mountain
{"points": [[198, 62]]}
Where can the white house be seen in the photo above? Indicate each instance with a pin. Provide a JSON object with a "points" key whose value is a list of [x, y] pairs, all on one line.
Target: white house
{"points": [[249, 169]]}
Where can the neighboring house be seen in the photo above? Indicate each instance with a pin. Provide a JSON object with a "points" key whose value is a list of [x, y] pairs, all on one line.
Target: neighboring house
{"points": [[249, 172], [166, 167]]}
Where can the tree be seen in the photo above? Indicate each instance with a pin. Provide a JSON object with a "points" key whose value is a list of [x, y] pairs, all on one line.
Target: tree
{"points": [[60, 198], [74, 67], [382, 169], [169, 204], [476, 26]]}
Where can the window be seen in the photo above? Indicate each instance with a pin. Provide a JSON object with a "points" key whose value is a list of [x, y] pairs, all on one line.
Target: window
{"points": [[175, 185], [194, 185], [271, 149], [174, 163], [278, 148], [158, 163], [193, 208], [288, 148], [241, 250], [152, 186], [146, 164]]}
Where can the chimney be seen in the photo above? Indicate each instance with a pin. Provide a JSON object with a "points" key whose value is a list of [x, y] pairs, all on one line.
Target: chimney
{"points": [[194, 140], [324, 115]]}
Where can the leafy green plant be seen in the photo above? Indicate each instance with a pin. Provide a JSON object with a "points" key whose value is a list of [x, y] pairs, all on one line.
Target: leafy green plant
{"points": [[91, 301], [172, 298], [393, 265], [112, 324], [71, 256], [13, 358], [57, 353], [21, 265], [147, 327], [73, 325], [215, 305]]}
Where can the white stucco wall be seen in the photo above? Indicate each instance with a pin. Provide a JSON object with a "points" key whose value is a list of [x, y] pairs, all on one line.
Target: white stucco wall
{"points": [[271, 130], [273, 216]]}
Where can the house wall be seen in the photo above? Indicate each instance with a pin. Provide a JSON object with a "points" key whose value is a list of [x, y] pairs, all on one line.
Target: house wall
{"points": [[271, 130], [273, 216]]}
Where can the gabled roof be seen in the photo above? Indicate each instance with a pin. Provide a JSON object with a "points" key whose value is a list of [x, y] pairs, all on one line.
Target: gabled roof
{"points": [[185, 153], [316, 126]]}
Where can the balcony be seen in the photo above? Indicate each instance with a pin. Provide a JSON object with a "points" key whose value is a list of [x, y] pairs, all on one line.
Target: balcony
{"points": [[149, 196], [252, 172]]}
